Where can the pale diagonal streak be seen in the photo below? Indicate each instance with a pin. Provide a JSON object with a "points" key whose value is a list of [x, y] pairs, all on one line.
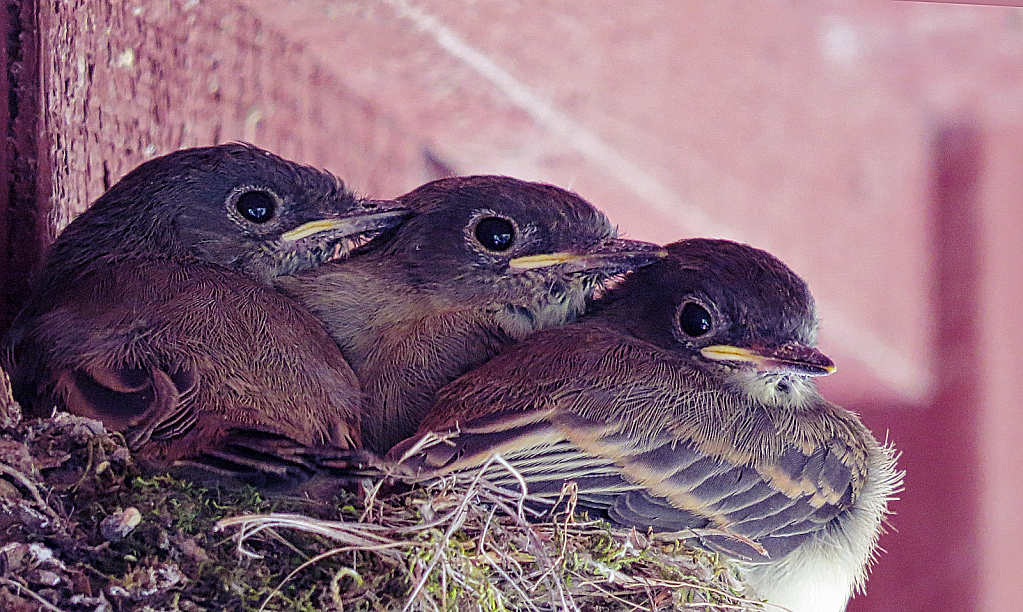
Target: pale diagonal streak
{"points": [[888, 364]]}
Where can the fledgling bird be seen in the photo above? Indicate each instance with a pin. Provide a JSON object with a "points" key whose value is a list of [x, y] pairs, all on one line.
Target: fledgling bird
{"points": [[480, 263], [154, 313], [685, 400]]}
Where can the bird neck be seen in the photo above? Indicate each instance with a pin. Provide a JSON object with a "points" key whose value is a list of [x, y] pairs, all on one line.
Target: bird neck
{"points": [[403, 338]]}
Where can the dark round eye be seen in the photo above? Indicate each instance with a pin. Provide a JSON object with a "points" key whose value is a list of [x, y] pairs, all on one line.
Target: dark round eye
{"points": [[256, 206], [495, 233], [694, 320]]}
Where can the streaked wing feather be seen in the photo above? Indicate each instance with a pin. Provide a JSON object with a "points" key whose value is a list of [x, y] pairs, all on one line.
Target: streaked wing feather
{"points": [[626, 425]]}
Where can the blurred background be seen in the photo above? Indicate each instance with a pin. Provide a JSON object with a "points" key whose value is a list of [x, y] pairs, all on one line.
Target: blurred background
{"points": [[876, 147]]}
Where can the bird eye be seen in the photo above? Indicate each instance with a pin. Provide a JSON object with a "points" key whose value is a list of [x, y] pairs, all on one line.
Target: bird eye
{"points": [[256, 206], [495, 233], [694, 320]]}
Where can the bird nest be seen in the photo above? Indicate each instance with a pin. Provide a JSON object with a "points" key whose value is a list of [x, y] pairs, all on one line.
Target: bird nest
{"points": [[81, 528]]}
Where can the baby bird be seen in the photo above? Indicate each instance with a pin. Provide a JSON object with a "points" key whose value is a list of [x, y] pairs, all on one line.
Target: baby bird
{"points": [[153, 313], [481, 262], [685, 400]]}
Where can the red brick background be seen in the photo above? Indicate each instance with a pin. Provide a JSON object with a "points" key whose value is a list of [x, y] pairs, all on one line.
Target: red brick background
{"points": [[877, 147], [126, 81]]}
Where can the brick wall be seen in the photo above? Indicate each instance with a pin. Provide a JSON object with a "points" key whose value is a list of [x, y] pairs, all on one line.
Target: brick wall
{"points": [[117, 83]]}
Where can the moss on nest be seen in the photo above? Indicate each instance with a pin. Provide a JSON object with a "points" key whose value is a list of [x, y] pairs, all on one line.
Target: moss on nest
{"points": [[82, 529]]}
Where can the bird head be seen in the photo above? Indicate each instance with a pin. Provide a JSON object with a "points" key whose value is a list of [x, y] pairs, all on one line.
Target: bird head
{"points": [[530, 247], [234, 205], [735, 311]]}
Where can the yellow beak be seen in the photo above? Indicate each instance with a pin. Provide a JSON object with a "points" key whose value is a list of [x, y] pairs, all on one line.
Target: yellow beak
{"points": [[346, 226], [793, 358], [612, 256], [310, 228], [530, 262]]}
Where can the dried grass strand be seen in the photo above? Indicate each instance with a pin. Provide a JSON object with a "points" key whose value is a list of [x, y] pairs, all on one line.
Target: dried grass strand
{"points": [[26, 482], [524, 562], [17, 584]]}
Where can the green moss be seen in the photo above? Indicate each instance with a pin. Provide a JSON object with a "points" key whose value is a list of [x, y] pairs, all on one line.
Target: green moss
{"points": [[176, 559]]}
